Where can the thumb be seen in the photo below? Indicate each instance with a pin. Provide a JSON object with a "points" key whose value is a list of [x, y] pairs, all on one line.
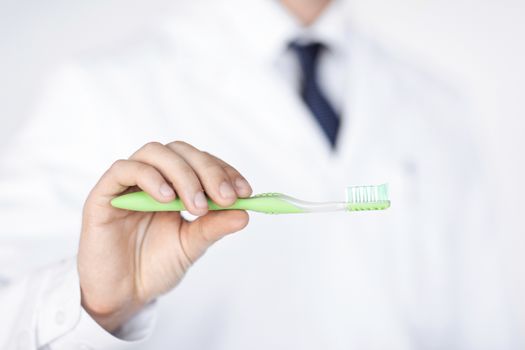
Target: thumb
{"points": [[198, 235]]}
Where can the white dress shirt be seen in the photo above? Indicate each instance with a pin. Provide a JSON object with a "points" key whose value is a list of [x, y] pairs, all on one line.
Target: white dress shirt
{"points": [[331, 30], [220, 77]]}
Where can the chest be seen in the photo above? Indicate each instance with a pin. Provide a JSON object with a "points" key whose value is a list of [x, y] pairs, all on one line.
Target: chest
{"points": [[355, 269]]}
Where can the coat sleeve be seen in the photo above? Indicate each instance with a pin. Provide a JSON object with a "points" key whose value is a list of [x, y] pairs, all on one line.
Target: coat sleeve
{"points": [[42, 310], [46, 172]]}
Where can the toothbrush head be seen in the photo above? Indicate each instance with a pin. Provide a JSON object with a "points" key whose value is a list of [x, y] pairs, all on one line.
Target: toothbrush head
{"points": [[367, 197]]}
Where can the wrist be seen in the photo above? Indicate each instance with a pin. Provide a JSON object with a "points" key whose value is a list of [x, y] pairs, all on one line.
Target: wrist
{"points": [[110, 317]]}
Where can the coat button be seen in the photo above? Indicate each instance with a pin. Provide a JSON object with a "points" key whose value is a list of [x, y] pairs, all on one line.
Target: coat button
{"points": [[60, 317]]}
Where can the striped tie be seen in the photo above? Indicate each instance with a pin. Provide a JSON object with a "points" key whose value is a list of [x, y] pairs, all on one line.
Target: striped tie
{"points": [[313, 97]]}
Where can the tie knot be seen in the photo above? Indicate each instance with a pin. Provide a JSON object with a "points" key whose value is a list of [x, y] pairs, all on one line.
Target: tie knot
{"points": [[307, 54], [311, 48]]}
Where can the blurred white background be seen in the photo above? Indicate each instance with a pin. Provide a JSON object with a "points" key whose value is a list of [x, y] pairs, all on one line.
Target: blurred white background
{"points": [[478, 46]]}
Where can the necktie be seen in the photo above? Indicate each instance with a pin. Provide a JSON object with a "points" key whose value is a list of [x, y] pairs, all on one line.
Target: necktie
{"points": [[313, 97]]}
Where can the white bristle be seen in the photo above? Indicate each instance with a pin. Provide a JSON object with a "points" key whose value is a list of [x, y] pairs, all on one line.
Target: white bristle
{"points": [[366, 194]]}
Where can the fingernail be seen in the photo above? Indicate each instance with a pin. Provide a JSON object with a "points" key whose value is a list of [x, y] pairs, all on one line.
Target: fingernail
{"points": [[166, 190], [200, 200], [226, 190], [242, 185]]}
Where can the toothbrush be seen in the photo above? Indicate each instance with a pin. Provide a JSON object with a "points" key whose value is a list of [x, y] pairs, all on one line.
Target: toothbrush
{"points": [[357, 198]]}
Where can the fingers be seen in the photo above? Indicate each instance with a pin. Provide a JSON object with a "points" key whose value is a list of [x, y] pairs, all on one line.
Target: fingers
{"points": [[220, 180], [193, 172], [242, 187], [126, 173], [200, 234], [176, 170]]}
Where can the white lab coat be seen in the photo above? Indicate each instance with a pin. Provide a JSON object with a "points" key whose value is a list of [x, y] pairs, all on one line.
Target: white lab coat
{"points": [[421, 275]]}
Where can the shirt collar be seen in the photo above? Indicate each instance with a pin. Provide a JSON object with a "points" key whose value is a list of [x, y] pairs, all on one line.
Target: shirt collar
{"points": [[268, 28], [330, 28]]}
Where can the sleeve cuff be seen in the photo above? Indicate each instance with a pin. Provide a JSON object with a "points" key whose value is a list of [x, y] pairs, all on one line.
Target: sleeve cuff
{"points": [[64, 324]]}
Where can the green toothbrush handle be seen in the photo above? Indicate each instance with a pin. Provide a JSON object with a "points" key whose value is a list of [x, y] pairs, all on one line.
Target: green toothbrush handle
{"points": [[269, 203]]}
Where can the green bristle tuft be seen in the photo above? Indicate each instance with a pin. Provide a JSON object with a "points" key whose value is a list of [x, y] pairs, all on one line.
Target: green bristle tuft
{"points": [[367, 197]]}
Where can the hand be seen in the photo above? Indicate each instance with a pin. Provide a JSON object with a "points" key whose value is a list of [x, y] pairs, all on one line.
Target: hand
{"points": [[126, 259]]}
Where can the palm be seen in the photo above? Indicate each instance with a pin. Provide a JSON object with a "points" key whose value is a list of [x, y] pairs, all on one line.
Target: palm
{"points": [[161, 255], [149, 260]]}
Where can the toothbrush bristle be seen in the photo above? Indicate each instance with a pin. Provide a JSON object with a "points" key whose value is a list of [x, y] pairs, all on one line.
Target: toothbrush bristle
{"points": [[367, 194]]}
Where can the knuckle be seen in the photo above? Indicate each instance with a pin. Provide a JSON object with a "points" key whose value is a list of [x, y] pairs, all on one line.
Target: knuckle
{"points": [[232, 172], [204, 234], [213, 168], [209, 161], [177, 144], [222, 163], [231, 169], [215, 158], [151, 146], [186, 174], [117, 164], [208, 155], [144, 170]]}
